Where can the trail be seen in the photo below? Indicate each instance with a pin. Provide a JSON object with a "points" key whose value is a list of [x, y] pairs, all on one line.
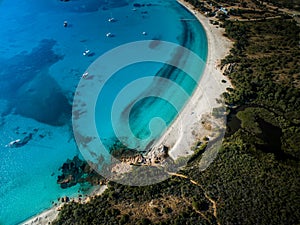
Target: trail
{"points": [[255, 20], [213, 202], [197, 211]]}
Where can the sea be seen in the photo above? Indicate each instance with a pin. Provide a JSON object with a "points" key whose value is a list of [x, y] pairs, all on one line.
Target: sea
{"points": [[45, 48]]}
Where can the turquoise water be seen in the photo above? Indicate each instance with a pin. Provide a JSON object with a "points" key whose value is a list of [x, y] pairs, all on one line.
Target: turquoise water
{"points": [[41, 63]]}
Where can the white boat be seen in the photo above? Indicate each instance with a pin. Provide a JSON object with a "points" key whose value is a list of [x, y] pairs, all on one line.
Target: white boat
{"points": [[85, 75], [109, 34], [111, 19], [13, 143], [86, 52]]}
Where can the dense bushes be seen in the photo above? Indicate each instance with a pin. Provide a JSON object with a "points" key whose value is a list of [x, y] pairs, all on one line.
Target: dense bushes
{"points": [[266, 75]]}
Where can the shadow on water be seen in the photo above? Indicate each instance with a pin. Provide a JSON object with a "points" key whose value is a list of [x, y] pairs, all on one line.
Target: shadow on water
{"points": [[28, 88]]}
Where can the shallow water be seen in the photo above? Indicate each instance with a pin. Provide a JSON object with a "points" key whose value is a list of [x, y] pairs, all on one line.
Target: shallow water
{"points": [[41, 63]]}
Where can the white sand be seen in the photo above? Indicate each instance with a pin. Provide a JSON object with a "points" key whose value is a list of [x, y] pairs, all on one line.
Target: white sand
{"points": [[188, 127], [44, 218]]}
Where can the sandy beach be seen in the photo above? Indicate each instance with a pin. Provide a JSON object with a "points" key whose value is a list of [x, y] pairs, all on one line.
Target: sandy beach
{"points": [[196, 121]]}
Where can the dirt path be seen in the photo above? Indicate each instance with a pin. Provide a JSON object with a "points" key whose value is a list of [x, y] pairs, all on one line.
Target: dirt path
{"points": [[255, 20], [213, 202]]}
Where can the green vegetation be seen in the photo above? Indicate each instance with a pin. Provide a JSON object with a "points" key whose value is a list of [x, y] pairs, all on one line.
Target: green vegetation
{"points": [[262, 157], [266, 76], [255, 177], [290, 4], [169, 202]]}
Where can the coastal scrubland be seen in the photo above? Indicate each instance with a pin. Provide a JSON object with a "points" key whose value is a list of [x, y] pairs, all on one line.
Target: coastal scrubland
{"points": [[255, 177]]}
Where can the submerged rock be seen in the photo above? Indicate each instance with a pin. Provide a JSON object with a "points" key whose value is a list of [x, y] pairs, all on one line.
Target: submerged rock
{"points": [[30, 90], [77, 171]]}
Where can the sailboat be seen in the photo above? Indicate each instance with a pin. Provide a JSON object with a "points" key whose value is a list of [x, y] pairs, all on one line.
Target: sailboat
{"points": [[111, 19]]}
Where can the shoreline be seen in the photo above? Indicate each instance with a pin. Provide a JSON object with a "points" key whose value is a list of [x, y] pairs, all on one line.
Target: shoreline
{"points": [[178, 137], [49, 215], [192, 123]]}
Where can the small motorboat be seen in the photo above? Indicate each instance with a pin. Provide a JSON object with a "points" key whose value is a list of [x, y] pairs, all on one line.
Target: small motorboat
{"points": [[109, 34], [85, 75], [86, 52], [14, 143]]}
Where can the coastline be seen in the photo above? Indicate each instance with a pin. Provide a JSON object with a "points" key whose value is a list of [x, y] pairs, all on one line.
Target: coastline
{"points": [[48, 216], [187, 128], [191, 124]]}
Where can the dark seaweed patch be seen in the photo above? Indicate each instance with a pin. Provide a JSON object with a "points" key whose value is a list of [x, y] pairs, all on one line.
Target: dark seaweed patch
{"points": [[30, 90]]}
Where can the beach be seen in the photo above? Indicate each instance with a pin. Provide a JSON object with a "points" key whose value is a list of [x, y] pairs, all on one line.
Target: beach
{"points": [[195, 120], [48, 216]]}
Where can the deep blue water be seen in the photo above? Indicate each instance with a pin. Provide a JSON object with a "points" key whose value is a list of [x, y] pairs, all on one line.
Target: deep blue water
{"points": [[41, 63]]}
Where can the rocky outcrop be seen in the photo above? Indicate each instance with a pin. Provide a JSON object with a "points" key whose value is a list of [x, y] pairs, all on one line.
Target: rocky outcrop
{"points": [[77, 171], [155, 156], [228, 68], [64, 199]]}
